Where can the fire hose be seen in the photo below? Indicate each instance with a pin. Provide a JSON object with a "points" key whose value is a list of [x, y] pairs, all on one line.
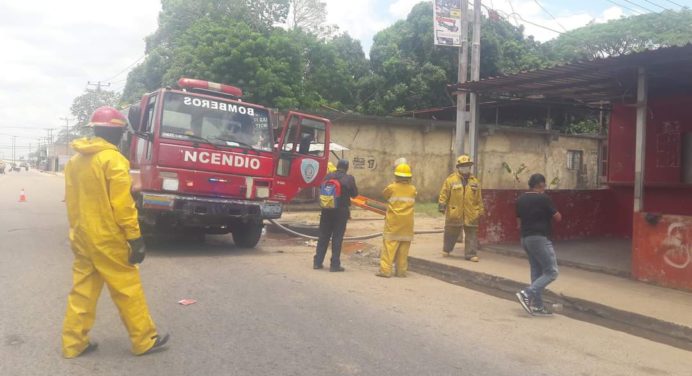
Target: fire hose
{"points": [[364, 237]]}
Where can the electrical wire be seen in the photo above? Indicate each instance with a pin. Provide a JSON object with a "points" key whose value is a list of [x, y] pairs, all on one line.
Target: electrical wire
{"points": [[507, 15], [514, 12], [656, 5], [550, 14], [625, 7], [643, 7], [126, 68], [674, 3]]}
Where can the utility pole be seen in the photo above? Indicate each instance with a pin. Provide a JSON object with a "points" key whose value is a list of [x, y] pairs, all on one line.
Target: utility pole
{"points": [[50, 142], [50, 134], [67, 128], [462, 77], [98, 85], [475, 76]]}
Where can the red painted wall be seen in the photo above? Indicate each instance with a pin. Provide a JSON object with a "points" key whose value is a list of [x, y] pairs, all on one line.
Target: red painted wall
{"points": [[668, 120], [586, 213], [662, 252]]}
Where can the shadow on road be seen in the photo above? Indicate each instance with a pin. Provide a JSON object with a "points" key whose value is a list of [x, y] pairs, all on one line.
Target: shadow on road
{"points": [[185, 246]]}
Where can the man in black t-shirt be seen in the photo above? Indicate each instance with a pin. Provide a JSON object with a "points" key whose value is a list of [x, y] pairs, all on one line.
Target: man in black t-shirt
{"points": [[535, 213], [333, 221]]}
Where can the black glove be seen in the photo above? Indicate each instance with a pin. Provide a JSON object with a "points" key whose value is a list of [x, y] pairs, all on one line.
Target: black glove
{"points": [[137, 251], [441, 208]]}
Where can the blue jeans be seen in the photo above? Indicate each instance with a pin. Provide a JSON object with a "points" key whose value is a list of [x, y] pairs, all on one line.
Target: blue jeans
{"points": [[543, 266]]}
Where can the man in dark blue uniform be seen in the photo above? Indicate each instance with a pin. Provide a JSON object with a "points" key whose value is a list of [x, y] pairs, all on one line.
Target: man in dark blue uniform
{"points": [[333, 221]]}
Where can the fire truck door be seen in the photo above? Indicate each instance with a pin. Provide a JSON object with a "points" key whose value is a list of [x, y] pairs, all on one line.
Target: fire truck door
{"points": [[302, 155]]}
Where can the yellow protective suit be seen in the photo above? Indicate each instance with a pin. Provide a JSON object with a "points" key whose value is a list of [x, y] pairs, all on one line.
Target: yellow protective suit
{"points": [[464, 205], [398, 227], [102, 216]]}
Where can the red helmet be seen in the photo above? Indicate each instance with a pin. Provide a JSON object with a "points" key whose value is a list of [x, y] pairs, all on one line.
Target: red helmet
{"points": [[107, 116]]}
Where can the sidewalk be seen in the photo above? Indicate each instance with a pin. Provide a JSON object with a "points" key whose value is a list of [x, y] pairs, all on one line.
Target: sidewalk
{"points": [[604, 255], [597, 290], [654, 307]]}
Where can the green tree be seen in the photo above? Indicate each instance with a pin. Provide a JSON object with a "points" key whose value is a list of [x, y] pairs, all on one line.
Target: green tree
{"points": [[309, 15], [410, 73], [178, 16], [84, 105], [622, 36], [282, 68]]}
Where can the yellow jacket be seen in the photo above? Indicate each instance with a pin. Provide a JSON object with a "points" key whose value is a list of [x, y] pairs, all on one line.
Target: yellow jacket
{"points": [[401, 199], [464, 203], [100, 207]]}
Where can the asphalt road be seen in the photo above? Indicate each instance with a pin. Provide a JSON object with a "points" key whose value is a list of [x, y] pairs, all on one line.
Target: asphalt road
{"points": [[266, 312]]}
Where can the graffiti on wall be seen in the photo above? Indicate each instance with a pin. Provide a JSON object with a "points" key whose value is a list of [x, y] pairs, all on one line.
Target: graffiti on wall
{"points": [[360, 163], [676, 248]]}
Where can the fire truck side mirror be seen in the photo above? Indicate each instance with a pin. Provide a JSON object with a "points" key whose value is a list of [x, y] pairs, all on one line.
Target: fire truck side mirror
{"points": [[134, 116]]}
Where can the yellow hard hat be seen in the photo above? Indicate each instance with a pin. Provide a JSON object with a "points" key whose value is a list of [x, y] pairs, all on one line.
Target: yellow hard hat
{"points": [[464, 160], [330, 167], [403, 170]]}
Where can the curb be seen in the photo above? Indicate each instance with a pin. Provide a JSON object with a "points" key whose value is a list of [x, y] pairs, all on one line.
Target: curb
{"points": [[632, 323], [571, 264]]}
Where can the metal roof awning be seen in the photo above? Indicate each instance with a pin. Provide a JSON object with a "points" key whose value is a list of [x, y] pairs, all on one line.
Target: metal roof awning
{"points": [[612, 79]]}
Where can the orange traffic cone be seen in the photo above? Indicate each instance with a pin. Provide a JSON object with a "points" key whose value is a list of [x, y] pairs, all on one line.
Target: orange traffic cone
{"points": [[22, 196]]}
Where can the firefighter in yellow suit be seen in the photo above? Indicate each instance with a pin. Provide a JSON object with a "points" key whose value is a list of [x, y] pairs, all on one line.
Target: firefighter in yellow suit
{"points": [[462, 202], [105, 239], [398, 224]]}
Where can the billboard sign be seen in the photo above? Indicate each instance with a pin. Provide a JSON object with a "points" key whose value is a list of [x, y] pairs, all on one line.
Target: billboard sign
{"points": [[447, 22]]}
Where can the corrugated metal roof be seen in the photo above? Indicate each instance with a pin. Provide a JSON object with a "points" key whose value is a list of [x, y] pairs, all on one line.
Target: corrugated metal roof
{"points": [[605, 79]]}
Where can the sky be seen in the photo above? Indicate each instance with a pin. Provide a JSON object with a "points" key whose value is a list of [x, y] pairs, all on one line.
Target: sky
{"points": [[53, 49]]}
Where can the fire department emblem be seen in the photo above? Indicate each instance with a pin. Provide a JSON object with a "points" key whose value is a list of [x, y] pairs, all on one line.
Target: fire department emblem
{"points": [[309, 169]]}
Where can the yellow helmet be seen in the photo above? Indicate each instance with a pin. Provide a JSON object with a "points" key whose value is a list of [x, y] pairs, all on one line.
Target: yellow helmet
{"points": [[464, 160], [403, 170], [330, 167]]}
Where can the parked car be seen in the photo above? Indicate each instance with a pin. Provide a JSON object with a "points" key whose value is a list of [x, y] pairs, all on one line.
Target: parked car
{"points": [[24, 165]]}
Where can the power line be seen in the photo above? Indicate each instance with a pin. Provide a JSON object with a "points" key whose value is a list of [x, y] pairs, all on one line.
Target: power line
{"points": [[515, 15], [550, 14], [655, 4], [625, 6], [643, 7], [511, 6], [674, 3], [127, 68]]}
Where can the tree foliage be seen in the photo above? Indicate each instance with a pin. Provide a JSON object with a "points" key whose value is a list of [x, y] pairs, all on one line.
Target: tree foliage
{"points": [[622, 36], [84, 105], [410, 73], [308, 15], [309, 67]]}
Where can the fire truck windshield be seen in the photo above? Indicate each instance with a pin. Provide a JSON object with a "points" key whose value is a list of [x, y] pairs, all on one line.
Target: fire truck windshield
{"points": [[226, 123]]}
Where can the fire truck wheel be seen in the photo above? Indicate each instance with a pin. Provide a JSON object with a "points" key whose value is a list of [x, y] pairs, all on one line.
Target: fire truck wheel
{"points": [[247, 235]]}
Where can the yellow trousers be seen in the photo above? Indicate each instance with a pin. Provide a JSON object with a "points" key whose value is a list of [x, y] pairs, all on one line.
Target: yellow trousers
{"points": [[394, 252], [91, 269]]}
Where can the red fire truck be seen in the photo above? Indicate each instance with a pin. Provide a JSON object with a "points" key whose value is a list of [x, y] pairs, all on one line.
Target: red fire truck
{"points": [[205, 162]]}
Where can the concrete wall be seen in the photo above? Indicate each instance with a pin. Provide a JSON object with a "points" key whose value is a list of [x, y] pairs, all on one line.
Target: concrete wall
{"points": [[662, 250], [539, 152], [376, 142]]}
